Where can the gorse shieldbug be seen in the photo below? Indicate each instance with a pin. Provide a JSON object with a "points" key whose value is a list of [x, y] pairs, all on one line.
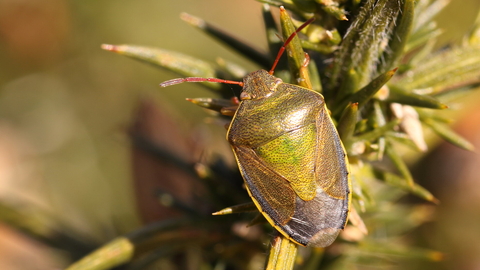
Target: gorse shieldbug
{"points": [[290, 156]]}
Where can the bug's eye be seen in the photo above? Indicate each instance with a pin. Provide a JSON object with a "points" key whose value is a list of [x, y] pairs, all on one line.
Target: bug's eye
{"points": [[245, 95], [276, 83]]}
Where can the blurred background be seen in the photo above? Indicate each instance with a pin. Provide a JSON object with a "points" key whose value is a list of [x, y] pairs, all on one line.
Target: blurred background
{"points": [[66, 108]]}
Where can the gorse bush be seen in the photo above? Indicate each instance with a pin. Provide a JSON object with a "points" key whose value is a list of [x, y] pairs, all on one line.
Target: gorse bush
{"points": [[383, 79]]}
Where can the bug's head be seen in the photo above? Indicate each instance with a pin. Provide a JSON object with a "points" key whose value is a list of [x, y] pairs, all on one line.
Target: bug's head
{"points": [[259, 84]]}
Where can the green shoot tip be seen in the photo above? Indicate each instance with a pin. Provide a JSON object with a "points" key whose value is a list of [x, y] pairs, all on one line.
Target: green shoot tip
{"points": [[192, 20], [109, 47]]}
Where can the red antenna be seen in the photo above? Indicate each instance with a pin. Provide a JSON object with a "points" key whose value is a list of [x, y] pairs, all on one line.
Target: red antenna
{"points": [[280, 53], [284, 46]]}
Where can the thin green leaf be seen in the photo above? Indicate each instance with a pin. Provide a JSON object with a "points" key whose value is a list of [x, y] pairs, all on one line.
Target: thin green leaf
{"points": [[215, 104], [296, 55], [427, 33], [397, 95], [241, 208], [314, 77], [287, 4], [351, 84], [448, 134], [282, 254], [399, 182], [274, 41], [474, 36], [425, 12], [334, 10], [450, 68], [114, 253], [376, 249], [424, 53], [346, 125], [402, 138], [378, 132], [380, 120], [182, 64], [367, 92], [149, 260], [456, 92], [399, 164], [429, 114], [167, 199], [34, 225], [238, 45]]}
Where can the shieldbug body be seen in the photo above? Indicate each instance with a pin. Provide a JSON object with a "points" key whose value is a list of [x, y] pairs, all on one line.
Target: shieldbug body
{"points": [[290, 156]]}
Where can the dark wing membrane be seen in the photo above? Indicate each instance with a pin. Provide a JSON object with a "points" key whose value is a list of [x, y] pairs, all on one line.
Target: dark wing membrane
{"points": [[330, 166], [317, 222], [271, 191]]}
